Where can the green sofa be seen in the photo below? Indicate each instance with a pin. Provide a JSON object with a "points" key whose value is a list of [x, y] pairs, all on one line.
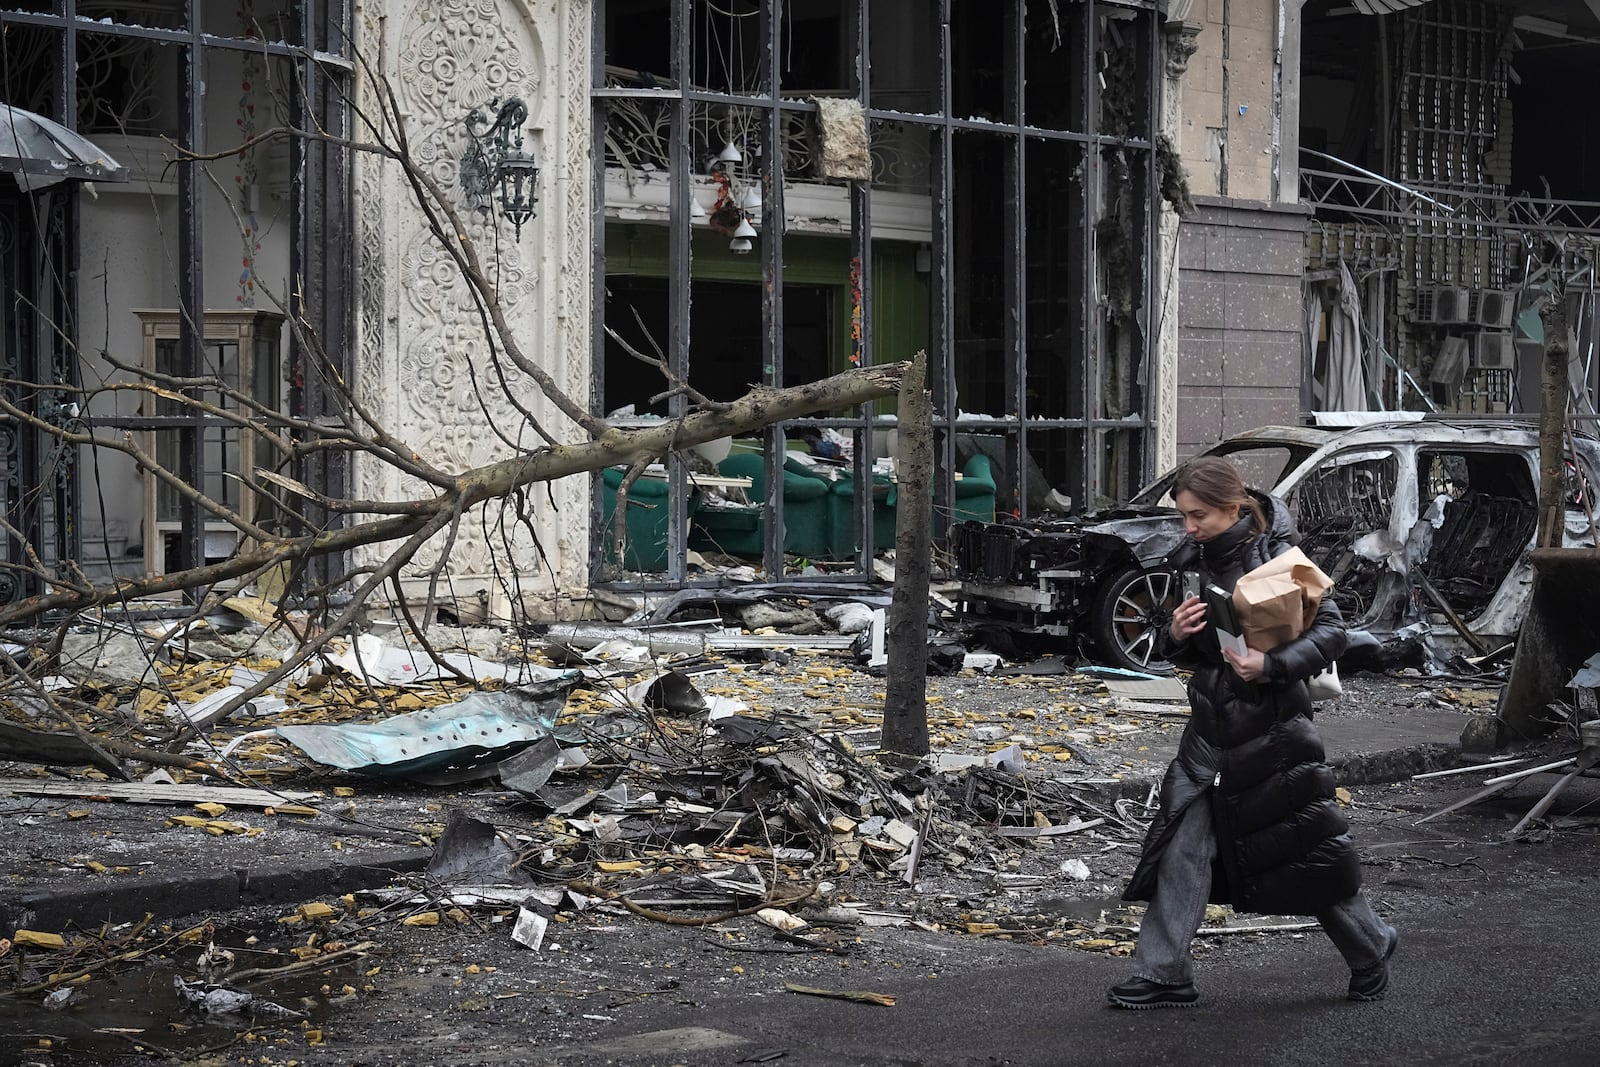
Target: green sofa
{"points": [[741, 532], [974, 499], [648, 518]]}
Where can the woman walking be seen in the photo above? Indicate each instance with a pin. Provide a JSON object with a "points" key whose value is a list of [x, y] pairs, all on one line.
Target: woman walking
{"points": [[1248, 814]]}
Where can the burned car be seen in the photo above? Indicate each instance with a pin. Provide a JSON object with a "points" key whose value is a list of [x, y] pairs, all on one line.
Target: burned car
{"points": [[1425, 526]]}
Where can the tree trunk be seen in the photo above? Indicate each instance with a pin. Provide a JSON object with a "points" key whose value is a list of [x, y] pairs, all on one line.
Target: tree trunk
{"points": [[905, 707], [1553, 393]]}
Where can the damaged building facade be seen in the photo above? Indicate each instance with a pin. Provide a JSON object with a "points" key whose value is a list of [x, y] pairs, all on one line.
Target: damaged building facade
{"points": [[1451, 193], [763, 193], [1387, 192]]}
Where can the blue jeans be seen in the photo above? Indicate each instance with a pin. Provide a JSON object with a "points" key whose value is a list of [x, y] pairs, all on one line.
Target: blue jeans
{"points": [[1183, 884]]}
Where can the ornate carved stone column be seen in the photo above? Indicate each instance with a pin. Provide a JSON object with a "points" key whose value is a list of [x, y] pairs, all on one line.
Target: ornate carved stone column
{"points": [[425, 363], [1180, 39]]}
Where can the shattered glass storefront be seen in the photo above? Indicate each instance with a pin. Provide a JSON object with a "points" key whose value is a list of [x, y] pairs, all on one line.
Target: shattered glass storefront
{"points": [[786, 191], [181, 272]]}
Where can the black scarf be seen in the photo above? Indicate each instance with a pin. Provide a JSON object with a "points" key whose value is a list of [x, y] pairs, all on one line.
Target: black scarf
{"points": [[1223, 554]]}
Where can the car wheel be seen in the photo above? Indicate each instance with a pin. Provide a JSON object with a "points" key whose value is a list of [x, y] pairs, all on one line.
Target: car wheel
{"points": [[1127, 615]]}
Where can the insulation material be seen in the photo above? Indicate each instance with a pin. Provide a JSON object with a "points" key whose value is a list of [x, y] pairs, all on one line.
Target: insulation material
{"points": [[842, 140], [1345, 389]]}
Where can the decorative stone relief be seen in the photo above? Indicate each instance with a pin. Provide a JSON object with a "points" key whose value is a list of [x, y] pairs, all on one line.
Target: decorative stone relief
{"points": [[570, 538], [373, 335], [1181, 43], [422, 345]]}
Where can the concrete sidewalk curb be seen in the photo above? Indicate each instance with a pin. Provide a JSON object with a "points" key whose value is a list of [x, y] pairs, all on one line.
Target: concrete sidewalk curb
{"points": [[87, 907], [1394, 765], [1355, 768]]}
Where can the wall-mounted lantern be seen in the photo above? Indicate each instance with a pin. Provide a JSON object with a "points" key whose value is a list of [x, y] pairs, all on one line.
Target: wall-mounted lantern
{"points": [[496, 163]]}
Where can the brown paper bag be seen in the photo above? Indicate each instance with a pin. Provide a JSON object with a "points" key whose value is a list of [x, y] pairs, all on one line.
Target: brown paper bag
{"points": [[1277, 601]]}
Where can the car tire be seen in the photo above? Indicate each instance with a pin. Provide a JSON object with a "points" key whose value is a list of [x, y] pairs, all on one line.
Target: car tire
{"points": [[1127, 613]]}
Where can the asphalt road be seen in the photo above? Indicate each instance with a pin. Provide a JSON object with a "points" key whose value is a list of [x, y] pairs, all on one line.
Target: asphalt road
{"points": [[1496, 966]]}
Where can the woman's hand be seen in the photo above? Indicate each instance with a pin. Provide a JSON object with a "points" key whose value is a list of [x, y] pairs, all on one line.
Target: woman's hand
{"points": [[1188, 619], [1250, 667]]}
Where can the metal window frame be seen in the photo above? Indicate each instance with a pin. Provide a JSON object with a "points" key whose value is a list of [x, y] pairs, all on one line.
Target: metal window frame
{"points": [[1017, 424], [320, 209]]}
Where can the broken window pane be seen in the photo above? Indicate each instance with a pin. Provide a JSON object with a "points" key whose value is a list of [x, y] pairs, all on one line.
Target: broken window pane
{"points": [[221, 444], [903, 74], [1033, 331], [1121, 466], [31, 70], [127, 85], [255, 20], [1055, 89], [1263, 468], [158, 14], [985, 369], [1055, 467], [638, 43], [1483, 507], [902, 160], [637, 143], [1349, 497], [816, 48], [1053, 280], [1123, 254], [981, 51], [1123, 61]]}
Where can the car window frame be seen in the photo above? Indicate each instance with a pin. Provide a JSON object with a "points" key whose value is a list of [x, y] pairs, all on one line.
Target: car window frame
{"points": [[1151, 497]]}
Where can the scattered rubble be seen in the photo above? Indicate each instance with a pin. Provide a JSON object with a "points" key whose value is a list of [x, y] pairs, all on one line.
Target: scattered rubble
{"points": [[684, 771]]}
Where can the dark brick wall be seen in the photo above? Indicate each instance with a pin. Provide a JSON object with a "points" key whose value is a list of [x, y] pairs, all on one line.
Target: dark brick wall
{"points": [[1240, 266]]}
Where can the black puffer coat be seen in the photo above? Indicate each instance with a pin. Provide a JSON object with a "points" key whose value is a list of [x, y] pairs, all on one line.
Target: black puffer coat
{"points": [[1283, 847]]}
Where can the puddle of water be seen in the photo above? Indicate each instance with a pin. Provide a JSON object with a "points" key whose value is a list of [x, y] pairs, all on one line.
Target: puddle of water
{"points": [[140, 1011]]}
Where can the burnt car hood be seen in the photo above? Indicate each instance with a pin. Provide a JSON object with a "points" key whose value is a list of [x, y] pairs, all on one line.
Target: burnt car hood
{"points": [[1017, 552], [1151, 532]]}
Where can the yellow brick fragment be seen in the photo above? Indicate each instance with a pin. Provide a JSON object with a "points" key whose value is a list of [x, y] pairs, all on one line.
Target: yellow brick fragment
{"points": [[292, 809], [211, 808], [422, 918], [37, 939], [316, 909]]}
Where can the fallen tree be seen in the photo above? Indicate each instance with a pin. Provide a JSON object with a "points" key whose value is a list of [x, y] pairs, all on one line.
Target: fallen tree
{"points": [[390, 533]]}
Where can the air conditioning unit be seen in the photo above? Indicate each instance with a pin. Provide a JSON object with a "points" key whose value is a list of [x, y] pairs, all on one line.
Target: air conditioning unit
{"points": [[1445, 305], [1493, 350], [1422, 311], [1451, 305], [1496, 307]]}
